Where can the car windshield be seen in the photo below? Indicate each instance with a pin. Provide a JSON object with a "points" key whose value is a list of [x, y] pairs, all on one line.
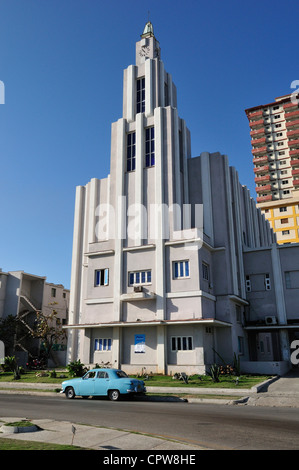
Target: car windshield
{"points": [[121, 374]]}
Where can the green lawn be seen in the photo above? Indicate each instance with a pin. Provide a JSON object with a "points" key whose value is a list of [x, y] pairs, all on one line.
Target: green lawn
{"points": [[15, 444], [226, 381], [204, 381]]}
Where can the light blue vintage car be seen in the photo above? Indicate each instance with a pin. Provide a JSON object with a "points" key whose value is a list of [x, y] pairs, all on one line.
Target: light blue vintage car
{"points": [[103, 382]]}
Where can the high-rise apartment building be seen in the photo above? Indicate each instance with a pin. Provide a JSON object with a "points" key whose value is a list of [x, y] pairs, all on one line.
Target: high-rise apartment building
{"points": [[274, 130]]}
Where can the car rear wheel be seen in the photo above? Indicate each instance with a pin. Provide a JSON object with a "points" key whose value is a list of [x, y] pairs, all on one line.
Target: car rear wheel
{"points": [[113, 395], [70, 392]]}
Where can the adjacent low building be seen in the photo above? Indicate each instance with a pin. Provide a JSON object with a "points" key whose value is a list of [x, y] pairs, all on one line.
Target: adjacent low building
{"points": [[22, 295]]}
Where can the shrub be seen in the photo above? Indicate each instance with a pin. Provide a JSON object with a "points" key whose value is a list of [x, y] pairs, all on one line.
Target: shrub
{"points": [[214, 372], [76, 368]]}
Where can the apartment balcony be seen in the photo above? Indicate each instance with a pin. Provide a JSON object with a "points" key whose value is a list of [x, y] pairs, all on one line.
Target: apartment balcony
{"points": [[260, 141], [292, 115], [264, 198], [296, 182], [259, 150], [255, 115], [256, 124], [262, 159], [261, 179], [262, 189], [290, 105], [295, 161], [295, 171], [261, 169], [257, 132], [294, 153], [294, 132], [294, 143], [292, 124]]}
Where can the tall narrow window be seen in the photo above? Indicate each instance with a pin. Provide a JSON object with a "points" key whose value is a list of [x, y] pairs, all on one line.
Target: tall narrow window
{"points": [[205, 271], [131, 151], [101, 277], [150, 146], [140, 99]]}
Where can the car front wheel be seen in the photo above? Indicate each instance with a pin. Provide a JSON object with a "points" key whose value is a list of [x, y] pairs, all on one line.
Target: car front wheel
{"points": [[113, 395], [70, 393]]}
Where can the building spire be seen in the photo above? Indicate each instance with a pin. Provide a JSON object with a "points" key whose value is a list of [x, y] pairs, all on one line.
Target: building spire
{"points": [[148, 31]]}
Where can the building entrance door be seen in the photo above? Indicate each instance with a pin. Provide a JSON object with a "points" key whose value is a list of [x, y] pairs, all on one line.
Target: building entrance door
{"points": [[264, 347]]}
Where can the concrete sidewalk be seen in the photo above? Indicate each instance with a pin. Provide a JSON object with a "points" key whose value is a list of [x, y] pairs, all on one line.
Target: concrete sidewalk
{"points": [[92, 437], [284, 391]]}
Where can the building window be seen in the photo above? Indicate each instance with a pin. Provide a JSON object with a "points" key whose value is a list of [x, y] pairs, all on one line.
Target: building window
{"points": [[131, 151], [101, 277], [102, 344], [285, 182], [285, 232], [282, 209], [238, 314], [284, 221], [248, 284], [150, 146], [241, 344], [140, 277], [180, 269], [140, 100], [205, 271], [53, 292], [181, 343], [287, 277]]}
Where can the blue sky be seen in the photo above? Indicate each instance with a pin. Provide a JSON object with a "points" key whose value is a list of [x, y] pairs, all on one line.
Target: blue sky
{"points": [[62, 63]]}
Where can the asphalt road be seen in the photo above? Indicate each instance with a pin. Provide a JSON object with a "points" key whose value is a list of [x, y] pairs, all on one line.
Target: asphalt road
{"points": [[224, 427]]}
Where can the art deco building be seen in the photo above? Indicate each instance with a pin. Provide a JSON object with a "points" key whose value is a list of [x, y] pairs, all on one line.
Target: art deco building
{"points": [[163, 247], [274, 130]]}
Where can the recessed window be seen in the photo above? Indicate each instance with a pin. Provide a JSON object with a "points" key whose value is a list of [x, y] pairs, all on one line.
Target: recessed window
{"points": [[285, 232], [205, 271], [140, 277], [181, 343], [149, 146], [240, 344], [282, 209], [284, 221], [140, 98], [101, 277], [180, 269], [53, 292], [131, 151]]}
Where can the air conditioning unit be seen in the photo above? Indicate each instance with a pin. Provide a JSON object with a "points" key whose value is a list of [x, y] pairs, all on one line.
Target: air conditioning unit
{"points": [[138, 288], [271, 320]]}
